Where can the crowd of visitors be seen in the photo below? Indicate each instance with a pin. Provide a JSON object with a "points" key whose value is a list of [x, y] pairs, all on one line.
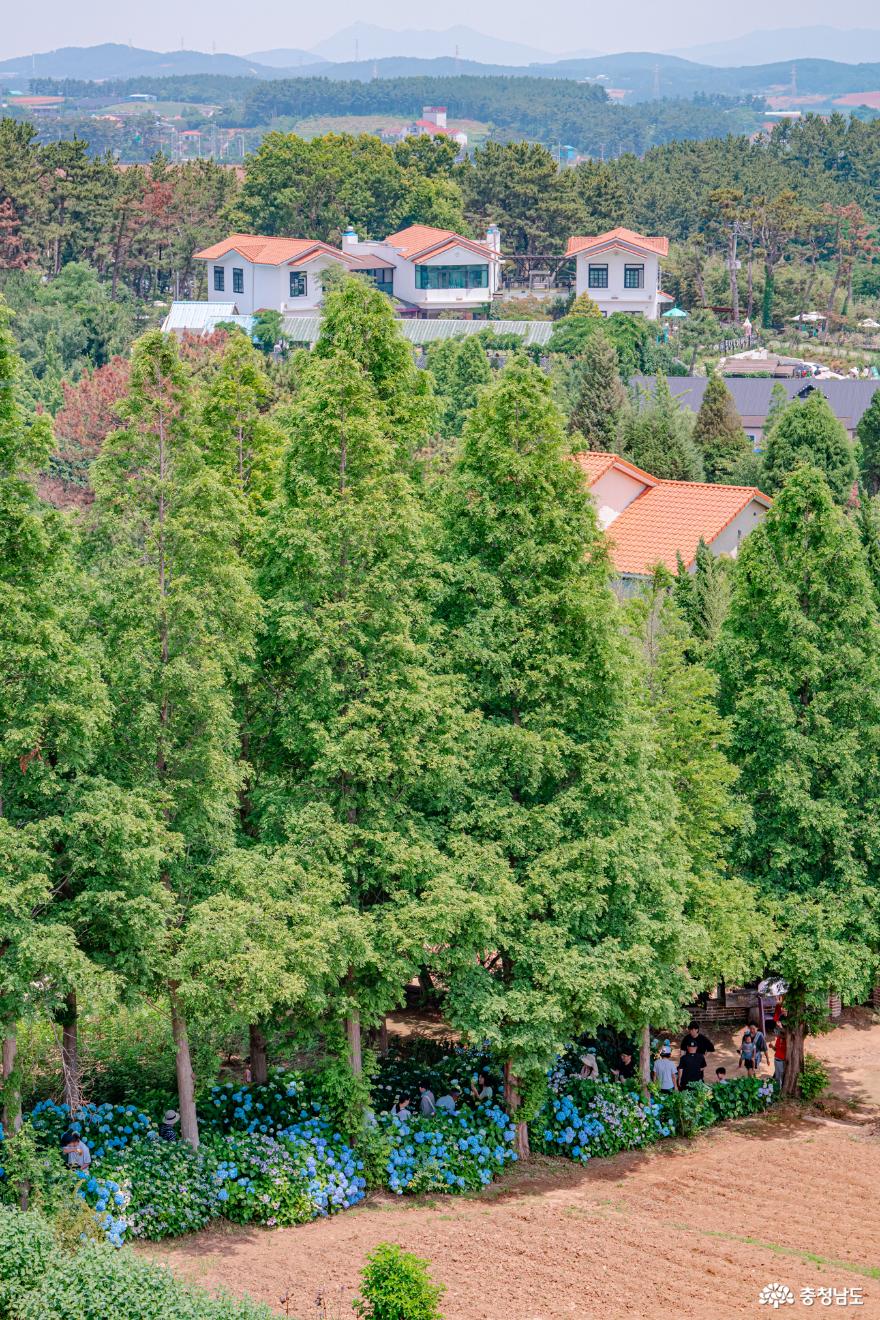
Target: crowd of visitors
{"points": [[695, 1045]]}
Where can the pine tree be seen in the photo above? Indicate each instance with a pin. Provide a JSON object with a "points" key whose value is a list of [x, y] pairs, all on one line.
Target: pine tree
{"points": [[809, 433], [358, 727], [562, 783], [241, 441], [470, 373], [703, 596], [657, 435], [800, 667], [177, 617], [868, 524], [598, 398], [718, 432], [868, 437]]}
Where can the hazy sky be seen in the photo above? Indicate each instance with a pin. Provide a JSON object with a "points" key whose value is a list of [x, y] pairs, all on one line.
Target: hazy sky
{"points": [[553, 25]]}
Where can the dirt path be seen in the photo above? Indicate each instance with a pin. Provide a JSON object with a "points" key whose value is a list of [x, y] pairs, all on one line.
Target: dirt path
{"points": [[688, 1229]]}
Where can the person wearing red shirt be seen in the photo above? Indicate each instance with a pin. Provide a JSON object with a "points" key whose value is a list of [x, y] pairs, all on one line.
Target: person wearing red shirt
{"points": [[779, 1050]]}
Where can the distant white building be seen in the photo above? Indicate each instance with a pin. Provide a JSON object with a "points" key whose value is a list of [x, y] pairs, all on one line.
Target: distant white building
{"points": [[432, 270], [259, 273], [620, 271]]}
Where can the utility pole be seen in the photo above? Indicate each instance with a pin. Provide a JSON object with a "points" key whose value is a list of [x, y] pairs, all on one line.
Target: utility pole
{"points": [[657, 82]]}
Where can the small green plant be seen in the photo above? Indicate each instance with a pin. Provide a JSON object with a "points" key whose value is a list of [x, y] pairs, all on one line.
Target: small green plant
{"points": [[396, 1286], [813, 1080]]}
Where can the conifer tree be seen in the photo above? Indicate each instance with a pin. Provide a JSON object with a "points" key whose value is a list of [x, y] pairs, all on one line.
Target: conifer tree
{"points": [[241, 441], [52, 716], [809, 433], [868, 436], [177, 616], [719, 434], [868, 524], [358, 729], [598, 398], [703, 597], [469, 374], [657, 435], [563, 784], [357, 322], [800, 667]]}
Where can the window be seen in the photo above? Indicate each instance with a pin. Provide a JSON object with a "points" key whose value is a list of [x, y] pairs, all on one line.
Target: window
{"points": [[633, 277], [219, 279], [237, 279], [452, 277], [381, 276], [299, 284], [598, 277]]}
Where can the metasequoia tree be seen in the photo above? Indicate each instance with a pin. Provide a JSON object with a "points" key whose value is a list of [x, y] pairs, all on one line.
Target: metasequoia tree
{"points": [[800, 671]]}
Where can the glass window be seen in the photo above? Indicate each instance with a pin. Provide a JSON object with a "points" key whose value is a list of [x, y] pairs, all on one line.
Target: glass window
{"points": [[633, 277], [452, 277], [382, 277], [219, 279], [598, 277], [237, 279], [299, 284]]}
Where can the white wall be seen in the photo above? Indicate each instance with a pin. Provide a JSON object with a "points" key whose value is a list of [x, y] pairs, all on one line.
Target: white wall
{"points": [[268, 286], [405, 276], [613, 492], [729, 541], [616, 298]]}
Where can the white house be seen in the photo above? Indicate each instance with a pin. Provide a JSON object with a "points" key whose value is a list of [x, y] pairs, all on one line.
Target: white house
{"points": [[259, 273], [620, 271], [433, 270], [650, 521]]}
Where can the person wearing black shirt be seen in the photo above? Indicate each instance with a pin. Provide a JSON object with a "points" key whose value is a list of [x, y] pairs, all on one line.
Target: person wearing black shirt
{"points": [[704, 1044], [691, 1066], [625, 1069]]}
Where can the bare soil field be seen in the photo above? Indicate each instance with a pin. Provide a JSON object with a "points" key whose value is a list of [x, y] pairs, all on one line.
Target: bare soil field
{"points": [[688, 1229]]}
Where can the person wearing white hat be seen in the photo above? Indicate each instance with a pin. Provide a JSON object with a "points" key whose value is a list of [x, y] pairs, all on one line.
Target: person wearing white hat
{"points": [[665, 1071], [590, 1069], [168, 1126]]}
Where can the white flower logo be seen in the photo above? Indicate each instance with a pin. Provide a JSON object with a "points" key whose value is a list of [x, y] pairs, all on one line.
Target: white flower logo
{"points": [[775, 1295]]}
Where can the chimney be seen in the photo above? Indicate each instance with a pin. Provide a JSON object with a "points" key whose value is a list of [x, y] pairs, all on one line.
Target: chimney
{"points": [[493, 238], [349, 239]]}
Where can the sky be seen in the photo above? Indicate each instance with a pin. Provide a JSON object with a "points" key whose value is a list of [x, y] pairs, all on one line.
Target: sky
{"points": [[554, 25]]}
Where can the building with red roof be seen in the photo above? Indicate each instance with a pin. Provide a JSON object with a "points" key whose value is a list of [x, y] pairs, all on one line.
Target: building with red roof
{"points": [[650, 521], [435, 270], [620, 270]]}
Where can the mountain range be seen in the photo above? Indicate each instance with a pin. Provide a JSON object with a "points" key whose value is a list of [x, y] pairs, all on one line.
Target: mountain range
{"points": [[853, 46]]}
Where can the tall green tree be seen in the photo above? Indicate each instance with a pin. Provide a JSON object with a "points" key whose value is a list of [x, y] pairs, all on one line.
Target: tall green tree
{"points": [[357, 735], [177, 616], [809, 433], [52, 716], [461, 373], [719, 434], [241, 441], [598, 398], [868, 437], [657, 435], [560, 785], [703, 597], [800, 668]]}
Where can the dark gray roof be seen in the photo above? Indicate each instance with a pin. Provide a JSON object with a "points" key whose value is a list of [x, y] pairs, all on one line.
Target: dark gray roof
{"points": [[848, 399]]}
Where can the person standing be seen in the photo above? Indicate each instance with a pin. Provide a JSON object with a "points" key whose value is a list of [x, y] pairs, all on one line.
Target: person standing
{"points": [[625, 1069], [760, 1041], [747, 1052], [780, 1052], [665, 1070], [691, 1066], [427, 1103], [703, 1043]]}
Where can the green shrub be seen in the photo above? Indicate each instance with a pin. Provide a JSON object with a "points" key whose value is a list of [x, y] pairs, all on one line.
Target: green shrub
{"points": [[814, 1078], [170, 1184], [27, 1249], [743, 1095], [395, 1285]]}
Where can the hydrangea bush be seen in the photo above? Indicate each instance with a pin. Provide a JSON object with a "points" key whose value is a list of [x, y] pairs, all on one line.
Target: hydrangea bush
{"points": [[105, 1128], [299, 1176], [170, 1188], [442, 1064], [109, 1200], [591, 1119], [447, 1152], [266, 1109]]}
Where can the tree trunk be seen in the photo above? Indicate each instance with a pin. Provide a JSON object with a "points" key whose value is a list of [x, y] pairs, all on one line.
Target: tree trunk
{"points": [[383, 1037], [186, 1088], [794, 1056], [70, 1055], [353, 1032], [733, 274], [512, 1102], [767, 302], [10, 1114], [259, 1057], [645, 1057], [722, 993], [750, 283]]}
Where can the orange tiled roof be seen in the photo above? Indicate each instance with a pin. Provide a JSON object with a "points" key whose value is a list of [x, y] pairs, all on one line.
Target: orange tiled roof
{"points": [[619, 237], [264, 251], [595, 464], [424, 240], [669, 519]]}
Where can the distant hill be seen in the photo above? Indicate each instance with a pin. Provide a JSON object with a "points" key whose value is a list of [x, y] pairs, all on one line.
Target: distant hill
{"points": [[852, 46], [367, 41], [284, 59], [112, 60]]}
